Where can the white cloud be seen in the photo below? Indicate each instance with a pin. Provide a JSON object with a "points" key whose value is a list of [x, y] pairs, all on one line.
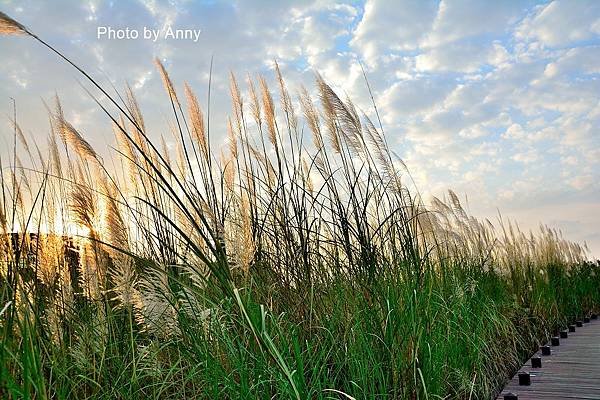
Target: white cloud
{"points": [[413, 96], [515, 131], [526, 157], [569, 160], [461, 57], [391, 26], [581, 182], [562, 22], [495, 99], [584, 60], [459, 19]]}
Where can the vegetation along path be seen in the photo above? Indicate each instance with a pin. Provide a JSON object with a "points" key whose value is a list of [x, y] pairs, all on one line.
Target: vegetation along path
{"points": [[568, 367]]}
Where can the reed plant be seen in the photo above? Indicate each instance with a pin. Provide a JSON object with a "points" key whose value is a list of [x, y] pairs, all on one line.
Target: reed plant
{"points": [[297, 262]]}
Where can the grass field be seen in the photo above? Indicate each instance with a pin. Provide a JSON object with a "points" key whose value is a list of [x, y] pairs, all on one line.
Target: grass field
{"points": [[300, 262]]}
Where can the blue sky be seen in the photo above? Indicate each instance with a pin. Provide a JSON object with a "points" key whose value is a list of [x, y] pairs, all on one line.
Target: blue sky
{"points": [[499, 101]]}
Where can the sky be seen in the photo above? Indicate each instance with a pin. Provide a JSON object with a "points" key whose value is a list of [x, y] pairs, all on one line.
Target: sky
{"points": [[498, 101]]}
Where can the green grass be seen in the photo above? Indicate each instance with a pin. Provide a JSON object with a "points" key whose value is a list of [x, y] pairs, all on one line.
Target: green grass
{"points": [[301, 263], [460, 337]]}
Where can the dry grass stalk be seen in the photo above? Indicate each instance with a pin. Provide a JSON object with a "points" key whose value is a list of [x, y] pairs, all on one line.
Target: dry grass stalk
{"points": [[134, 109], [326, 96], [75, 140], [312, 117], [197, 119], [232, 140], [9, 26], [237, 103], [286, 101], [166, 80], [255, 107], [267, 103]]}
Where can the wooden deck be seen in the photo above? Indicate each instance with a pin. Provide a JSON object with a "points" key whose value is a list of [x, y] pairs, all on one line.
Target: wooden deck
{"points": [[572, 371]]}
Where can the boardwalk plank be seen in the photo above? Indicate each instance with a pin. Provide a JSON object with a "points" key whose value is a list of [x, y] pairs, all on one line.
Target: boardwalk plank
{"points": [[571, 372]]}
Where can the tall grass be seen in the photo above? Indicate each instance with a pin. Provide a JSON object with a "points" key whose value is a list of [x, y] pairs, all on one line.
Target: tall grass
{"points": [[295, 263]]}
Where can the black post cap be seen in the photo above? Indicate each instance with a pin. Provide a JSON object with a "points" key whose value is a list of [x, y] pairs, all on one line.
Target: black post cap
{"points": [[564, 334], [586, 320], [524, 379], [571, 328], [579, 323], [536, 362], [555, 341], [511, 396], [546, 350], [594, 316]]}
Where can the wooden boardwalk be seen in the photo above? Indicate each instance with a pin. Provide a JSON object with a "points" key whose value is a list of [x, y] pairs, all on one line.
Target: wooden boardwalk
{"points": [[572, 371]]}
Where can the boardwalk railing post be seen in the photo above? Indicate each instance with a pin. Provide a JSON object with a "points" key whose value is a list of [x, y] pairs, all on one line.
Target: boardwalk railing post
{"points": [[524, 379], [571, 371]]}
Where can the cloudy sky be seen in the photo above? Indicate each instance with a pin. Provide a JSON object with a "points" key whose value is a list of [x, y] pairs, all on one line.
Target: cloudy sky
{"points": [[499, 101]]}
